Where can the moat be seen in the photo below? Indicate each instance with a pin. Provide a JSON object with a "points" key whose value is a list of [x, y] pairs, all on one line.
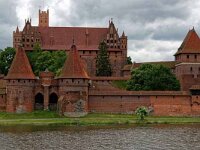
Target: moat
{"points": [[169, 137]]}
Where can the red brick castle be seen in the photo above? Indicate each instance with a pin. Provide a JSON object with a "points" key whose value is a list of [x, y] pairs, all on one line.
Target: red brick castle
{"points": [[77, 91], [87, 41]]}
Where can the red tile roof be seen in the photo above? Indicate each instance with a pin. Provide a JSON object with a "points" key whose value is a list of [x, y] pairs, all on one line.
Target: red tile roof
{"points": [[54, 38], [73, 67], [191, 43], [20, 67]]}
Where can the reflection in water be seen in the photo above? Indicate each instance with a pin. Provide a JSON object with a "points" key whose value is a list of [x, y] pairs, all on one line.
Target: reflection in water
{"points": [[110, 138]]}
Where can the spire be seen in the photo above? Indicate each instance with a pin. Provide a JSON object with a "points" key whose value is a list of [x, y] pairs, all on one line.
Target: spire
{"points": [[123, 34], [191, 43], [17, 30], [20, 67], [73, 67]]}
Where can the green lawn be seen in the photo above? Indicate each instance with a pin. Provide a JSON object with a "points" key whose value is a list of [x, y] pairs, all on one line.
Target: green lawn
{"points": [[121, 84], [51, 118]]}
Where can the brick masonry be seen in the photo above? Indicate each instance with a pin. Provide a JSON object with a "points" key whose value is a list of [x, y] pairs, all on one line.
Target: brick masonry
{"points": [[77, 90]]}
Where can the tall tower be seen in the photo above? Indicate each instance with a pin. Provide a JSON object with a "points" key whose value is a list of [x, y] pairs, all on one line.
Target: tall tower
{"points": [[20, 84], [188, 61], [44, 18], [17, 38], [73, 86]]}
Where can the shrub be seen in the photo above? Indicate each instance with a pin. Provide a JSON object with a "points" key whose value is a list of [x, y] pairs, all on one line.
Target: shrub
{"points": [[141, 112]]}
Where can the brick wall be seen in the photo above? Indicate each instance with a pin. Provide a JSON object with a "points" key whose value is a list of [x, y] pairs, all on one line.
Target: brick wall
{"points": [[117, 104], [164, 103], [178, 105]]}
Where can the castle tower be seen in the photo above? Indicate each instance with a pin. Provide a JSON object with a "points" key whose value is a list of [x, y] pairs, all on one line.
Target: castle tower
{"points": [[123, 41], [17, 38], [44, 18], [73, 85], [20, 84], [188, 61], [123, 45]]}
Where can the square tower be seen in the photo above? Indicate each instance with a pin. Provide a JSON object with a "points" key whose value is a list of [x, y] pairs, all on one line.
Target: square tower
{"points": [[43, 18]]}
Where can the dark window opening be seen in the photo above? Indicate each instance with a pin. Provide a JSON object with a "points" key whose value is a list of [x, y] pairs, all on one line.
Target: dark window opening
{"points": [[39, 102], [53, 100], [195, 92]]}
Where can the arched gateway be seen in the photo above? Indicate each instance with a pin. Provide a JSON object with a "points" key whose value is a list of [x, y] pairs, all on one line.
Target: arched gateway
{"points": [[53, 99], [39, 102]]}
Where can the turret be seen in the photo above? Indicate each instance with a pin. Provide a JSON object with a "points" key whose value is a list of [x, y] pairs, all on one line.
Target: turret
{"points": [[44, 18], [20, 84], [187, 59], [73, 85], [17, 38], [123, 41]]}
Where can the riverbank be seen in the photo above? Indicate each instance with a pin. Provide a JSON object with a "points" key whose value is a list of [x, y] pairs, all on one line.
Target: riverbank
{"points": [[52, 118]]}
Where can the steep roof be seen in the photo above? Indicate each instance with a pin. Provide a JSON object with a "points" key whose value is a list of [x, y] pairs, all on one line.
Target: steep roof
{"points": [[73, 67], [54, 38], [20, 67], [191, 43]]}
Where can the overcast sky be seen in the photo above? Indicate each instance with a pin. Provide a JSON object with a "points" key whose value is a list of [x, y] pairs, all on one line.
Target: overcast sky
{"points": [[155, 28]]}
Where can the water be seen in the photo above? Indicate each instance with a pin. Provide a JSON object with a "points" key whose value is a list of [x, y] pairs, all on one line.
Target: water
{"points": [[159, 137]]}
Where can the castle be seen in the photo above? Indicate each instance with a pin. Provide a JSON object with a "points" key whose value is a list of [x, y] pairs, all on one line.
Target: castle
{"points": [[77, 90], [87, 41]]}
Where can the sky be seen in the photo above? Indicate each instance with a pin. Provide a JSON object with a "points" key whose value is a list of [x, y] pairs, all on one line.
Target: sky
{"points": [[155, 28]]}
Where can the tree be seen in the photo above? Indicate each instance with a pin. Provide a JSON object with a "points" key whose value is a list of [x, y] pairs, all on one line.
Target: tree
{"points": [[141, 112], [128, 60], [152, 77], [102, 63], [6, 58], [42, 60]]}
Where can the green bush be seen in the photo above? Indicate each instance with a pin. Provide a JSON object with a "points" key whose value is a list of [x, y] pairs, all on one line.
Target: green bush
{"points": [[141, 112]]}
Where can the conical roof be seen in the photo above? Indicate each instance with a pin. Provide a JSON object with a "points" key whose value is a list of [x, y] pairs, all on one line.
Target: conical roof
{"points": [[191, 43], [20, 67], [73, 67]]}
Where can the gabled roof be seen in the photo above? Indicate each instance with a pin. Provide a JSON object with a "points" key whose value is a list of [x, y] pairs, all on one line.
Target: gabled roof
{"points": [[73, 67], [20, 67], [54, 38], [191, 43]]}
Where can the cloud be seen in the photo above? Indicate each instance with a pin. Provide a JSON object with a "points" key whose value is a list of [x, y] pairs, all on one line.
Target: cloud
{"points": [[7, 20], [153, 27], [152, 50]]}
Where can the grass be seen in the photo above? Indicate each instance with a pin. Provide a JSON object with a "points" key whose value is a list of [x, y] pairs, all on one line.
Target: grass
{"points": [[51, 118], [121, 84], [32, 115]]}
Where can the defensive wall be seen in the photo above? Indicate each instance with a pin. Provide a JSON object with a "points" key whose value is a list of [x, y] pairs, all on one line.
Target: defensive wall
{"points": [[104, 98], [161, 103]]}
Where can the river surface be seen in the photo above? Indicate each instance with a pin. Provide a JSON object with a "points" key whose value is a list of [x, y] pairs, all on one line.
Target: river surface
{"points": [[156, 137]]}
